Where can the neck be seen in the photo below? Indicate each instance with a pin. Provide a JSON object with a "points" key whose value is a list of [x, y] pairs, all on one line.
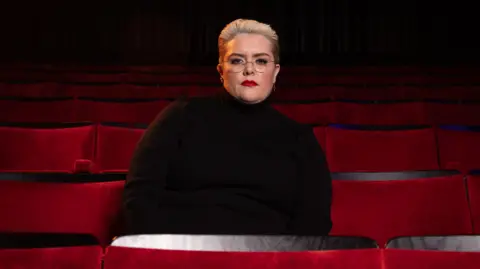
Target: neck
{"points": [[228, 99]]}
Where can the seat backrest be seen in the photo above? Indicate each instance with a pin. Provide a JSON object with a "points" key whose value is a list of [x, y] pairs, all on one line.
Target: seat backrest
{"points": [[459, 150], [306, 113], [381, 151], [45, 149], [473, 183], [46, 110], [402, 113], [122, 112], [384, 209], [123, 257], [84, 208], [82, 257], [115, 147], [420, 259], [451, 113]]}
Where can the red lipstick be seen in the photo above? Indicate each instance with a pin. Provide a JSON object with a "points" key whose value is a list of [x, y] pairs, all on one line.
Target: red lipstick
{"points": [[249, 83]]}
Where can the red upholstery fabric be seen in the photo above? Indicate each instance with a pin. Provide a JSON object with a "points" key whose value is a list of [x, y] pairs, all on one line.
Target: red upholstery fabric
{"points": [[459, 150], [473, 183], [33, 90], [88, 208], [123, 258], [47, 258], [307, 93], [373, 151], [37, 111], [421, 259], [100, 90], [411, 113], [385, 209], [115, 147], [372, 93], [456, 114], [314, 113], [45, 150], [84, 77], [125, 112]]}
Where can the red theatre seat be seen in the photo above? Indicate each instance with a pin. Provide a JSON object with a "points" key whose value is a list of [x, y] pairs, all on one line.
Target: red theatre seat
{"points": [[404, 113], [123, 258], [420, 259], [312, 113], [459, 150], [47, 110], [81, 257], [383, 209], [381, 151], [85, 208], [473, 183], [115, 147], [33, 90], [453, 114], [122, 112], [46, 150]]}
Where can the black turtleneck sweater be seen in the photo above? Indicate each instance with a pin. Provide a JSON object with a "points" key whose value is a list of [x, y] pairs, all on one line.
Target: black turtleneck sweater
{"points": [[213, 165]]}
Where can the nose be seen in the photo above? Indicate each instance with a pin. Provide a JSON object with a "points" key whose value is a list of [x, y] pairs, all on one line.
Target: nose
{"points": [[249, 68]]}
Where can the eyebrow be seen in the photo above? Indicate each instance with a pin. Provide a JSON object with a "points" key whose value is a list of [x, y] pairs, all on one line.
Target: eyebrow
{"points": [[254, 55]]}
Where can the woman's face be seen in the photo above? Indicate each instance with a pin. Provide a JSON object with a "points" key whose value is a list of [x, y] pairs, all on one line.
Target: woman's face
{"points": [[248, 69]]}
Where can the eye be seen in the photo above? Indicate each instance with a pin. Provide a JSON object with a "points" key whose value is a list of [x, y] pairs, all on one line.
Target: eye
{"points": [[235, 61], [261, 61]]}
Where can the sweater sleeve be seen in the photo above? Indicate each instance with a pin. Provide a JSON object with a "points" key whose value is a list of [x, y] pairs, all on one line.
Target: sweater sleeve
{"points": [[145, 186], [312, 212]]}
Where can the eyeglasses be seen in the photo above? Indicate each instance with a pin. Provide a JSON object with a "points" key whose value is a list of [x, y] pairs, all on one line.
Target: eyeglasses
{"points": [[238, 65]]}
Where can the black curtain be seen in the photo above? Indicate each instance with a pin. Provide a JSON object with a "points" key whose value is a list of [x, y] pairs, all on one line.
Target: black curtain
{"points": [[320, 32]]}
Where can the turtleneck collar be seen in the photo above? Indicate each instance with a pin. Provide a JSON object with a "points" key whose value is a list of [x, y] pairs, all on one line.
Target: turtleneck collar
{"points": [[228, 99]]}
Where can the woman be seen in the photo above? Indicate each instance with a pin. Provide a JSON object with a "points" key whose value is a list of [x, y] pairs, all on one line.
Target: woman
{"points": [[230, 164]]}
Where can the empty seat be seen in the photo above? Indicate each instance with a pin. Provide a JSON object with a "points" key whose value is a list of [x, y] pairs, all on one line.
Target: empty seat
{"points": [[421, 259], [115, 147], [402, 113], [311, 113], [84, 77], [453, 114], [380, 150], [123, 257], [81, 208], [459, 149], [312, 93], [382, 206], [443, 243], [46, 150], [473, 183], [121, 112], [45, 110]]}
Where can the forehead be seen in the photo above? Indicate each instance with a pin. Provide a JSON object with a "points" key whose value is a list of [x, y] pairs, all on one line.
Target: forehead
{"points": [[249, 44]]}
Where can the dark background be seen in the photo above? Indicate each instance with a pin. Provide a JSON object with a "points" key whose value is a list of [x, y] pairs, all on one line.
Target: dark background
{"points": [[322, 32]]}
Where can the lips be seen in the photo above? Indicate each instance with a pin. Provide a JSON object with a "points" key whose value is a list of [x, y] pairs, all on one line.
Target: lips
{"points": [[249, 83]]}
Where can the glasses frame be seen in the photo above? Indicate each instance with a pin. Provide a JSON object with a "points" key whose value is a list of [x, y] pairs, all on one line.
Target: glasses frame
{"points": [[245, 65]]}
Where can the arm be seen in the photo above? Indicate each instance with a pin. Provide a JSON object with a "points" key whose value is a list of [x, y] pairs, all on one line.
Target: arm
{"points": [[312, 212], [146, 180]]}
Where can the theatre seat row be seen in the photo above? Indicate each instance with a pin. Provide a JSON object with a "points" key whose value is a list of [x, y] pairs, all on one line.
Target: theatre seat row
{"points": [[319, 113], [107, 149], [211, 77], [283, 92], [127, 258], [371, 205]]}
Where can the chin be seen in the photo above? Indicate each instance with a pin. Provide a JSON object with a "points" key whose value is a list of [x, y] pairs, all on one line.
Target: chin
{"points": [[252, 97]]}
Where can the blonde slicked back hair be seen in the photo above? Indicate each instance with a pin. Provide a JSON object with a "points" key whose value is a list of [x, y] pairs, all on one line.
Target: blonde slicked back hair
{"points": [[243, 26]]}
